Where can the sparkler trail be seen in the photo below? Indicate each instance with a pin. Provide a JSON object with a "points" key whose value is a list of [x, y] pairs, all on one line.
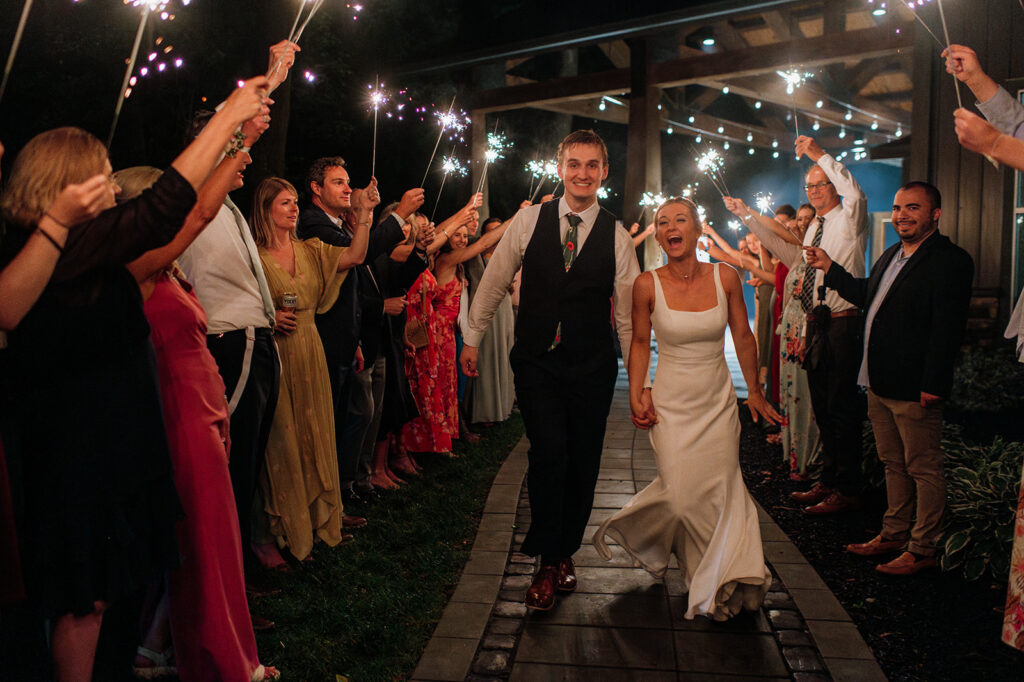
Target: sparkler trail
{"points": [[440, 134], [763, 200], [147, 7], [497, 145], [449, 164], [377, 99], [945, 32], [794, 79], [711, 164], [910, 6], [14, 46]]}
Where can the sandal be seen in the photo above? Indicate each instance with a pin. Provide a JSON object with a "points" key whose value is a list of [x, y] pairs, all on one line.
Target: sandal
{"points": [[161, 668]]}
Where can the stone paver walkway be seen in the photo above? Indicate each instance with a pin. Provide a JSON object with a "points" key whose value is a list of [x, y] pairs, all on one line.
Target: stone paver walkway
{"points": [[622, 624]]}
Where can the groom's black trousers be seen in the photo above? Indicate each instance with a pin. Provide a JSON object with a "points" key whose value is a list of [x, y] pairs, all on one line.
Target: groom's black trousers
{"points": [[565, 402]]}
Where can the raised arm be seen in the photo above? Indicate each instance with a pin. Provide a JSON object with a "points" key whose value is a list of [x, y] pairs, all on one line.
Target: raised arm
{"points": [[476, 248], [463, 216], [978, 135], [199, 158], [363, 201], [26, 276], [778, 239], [210, 199], [746, 348]]}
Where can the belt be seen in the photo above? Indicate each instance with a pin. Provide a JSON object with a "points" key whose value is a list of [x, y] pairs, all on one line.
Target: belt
{"points": [[849, 312]]}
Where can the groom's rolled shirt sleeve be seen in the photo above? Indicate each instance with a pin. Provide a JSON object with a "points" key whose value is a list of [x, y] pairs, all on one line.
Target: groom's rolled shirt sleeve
{"points": [[626, 271], [501, 268]]}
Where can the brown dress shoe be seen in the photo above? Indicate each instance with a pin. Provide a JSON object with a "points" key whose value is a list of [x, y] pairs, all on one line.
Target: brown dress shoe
{"points": [[541, 595], [907, 564], [833, 504], [566, 575], [876, 545], [813, 496], [352, 521]]}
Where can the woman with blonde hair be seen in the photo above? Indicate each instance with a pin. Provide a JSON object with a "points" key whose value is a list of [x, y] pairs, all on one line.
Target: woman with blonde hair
{"points": [[698, 508], [301, 486], [99, 498]]}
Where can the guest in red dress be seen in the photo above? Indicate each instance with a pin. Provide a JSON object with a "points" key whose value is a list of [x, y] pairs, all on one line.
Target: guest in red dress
{"points": [[209, 616], [434, 299]]}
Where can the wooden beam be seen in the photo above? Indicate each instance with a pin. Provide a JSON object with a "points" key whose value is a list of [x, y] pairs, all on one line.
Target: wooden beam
{"points": [[804, 52], [588, 109], [858, 77]]}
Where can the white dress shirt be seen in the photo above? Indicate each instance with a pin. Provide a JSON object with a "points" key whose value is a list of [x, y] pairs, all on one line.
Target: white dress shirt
{"points": [[844, 235], [224, 268], [508, 257]]}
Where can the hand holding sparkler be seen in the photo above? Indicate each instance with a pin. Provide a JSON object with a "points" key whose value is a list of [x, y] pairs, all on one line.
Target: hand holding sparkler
{"points": [[254, 128], [975, 133], [525, 203], [410, 202], [282, 57], [737, 207], [367, 199], [962, 62], [806, 146], [246, 101]]}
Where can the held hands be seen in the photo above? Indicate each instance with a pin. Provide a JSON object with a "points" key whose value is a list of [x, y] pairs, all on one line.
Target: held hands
{"points": [[974, 132], [410, 203], [468, 360], [759, 406], [642, 409], [806, 146], [394, 306], [284, 323], [817, 258]]}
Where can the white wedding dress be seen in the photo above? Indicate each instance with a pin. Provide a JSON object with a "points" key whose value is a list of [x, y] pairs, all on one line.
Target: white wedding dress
{"points": [[697, 508]]}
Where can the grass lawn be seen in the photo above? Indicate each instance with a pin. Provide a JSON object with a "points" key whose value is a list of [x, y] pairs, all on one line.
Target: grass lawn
{"points": [[365, 610]]}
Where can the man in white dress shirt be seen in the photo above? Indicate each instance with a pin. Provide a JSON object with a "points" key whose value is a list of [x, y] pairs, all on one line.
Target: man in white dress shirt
{"points": [[577, 268], [840, 229]]}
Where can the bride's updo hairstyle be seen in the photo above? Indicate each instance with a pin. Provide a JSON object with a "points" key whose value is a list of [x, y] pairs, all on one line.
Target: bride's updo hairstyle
{"points": [[694, 213]]}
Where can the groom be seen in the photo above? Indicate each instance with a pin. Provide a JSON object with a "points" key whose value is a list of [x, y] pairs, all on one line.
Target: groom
{"points": [[577, 267]]}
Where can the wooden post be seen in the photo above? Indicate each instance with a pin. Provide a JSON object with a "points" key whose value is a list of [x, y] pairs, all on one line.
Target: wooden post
{"points": [[643, 137]]}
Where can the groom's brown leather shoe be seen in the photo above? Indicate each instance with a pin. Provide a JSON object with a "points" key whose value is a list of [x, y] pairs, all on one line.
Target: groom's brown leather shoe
{"points": [[813, 496], [541, 595], [566, 575]]}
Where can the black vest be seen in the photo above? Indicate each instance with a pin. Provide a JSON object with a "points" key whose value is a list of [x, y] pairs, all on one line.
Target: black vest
{"points": [[580, 299]]}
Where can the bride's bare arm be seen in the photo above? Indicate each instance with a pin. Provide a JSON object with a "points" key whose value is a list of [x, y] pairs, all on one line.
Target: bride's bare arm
{"points": [[640, 402]]}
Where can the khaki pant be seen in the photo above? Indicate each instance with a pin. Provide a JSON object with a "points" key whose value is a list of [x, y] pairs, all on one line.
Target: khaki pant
{"points": [[908, 437]]}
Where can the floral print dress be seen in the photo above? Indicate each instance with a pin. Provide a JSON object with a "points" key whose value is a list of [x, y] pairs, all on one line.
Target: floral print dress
{"points": [[801, 441]]}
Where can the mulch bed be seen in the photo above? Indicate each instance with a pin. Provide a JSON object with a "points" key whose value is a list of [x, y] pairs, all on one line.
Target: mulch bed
{"points": [[932, 626]]}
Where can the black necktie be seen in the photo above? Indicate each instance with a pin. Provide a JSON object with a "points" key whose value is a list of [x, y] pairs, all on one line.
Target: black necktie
{"points": [[810, 275]]}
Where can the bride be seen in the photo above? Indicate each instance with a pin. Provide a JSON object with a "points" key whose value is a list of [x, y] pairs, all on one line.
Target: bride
{"points": [[698, 508]]}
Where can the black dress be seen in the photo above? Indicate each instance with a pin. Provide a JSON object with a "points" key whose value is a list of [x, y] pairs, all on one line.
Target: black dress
{"points": [[399, 404], [83, 403]]}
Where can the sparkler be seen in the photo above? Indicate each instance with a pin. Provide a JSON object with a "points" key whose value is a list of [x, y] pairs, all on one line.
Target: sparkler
{"points": [[443, 120], [649, 199], [449, 164], [712, 164], [148, 7], [603, 193], [544, 171], [763, 200], [911, 6], [378, 98], [945, 32], [14, 46], [497, 145], [794, 79], [735, 225], [293, 35]]}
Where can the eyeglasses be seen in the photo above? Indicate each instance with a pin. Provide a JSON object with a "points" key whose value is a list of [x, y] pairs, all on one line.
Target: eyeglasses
{"points": [[820, 185]]}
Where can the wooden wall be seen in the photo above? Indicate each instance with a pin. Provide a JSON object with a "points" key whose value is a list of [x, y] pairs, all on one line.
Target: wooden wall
{"points": [[977, 199]]}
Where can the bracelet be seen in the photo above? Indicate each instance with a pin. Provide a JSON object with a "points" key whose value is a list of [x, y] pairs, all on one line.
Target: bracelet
{"points": [[50, 239], [992, 149], [50, 216], [235, 144]]}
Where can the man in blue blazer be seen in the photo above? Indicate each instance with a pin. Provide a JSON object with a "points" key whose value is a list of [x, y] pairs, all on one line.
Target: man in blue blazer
{"points": [[915, 304]]}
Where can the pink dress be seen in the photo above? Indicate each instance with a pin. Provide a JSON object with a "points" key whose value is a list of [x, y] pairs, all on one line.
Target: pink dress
{"points": [[210, 625], [431, 369]]}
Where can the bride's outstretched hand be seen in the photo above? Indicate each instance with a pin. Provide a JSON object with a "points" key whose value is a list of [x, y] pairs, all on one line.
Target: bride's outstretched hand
{"points": [[644, 416], [759, 406]]}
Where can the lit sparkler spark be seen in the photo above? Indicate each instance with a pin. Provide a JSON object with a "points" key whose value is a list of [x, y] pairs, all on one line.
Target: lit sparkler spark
{"points": [[651, 199], [712, 164], [689, 190], [497, 145], [735, 225], [551, 170], [451, 165], [378, 96], [453, 123], [535, 168], [763, 201], [794, 79], [603, 193]]}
